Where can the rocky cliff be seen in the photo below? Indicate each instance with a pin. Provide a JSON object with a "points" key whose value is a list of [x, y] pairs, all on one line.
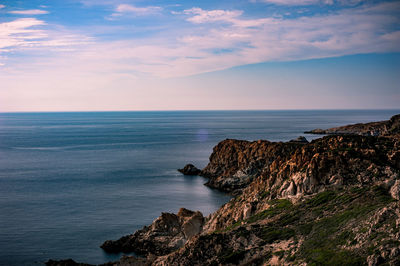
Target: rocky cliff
{"points": [[166, 234], [334, 201], [234, 164], [382, 128]]}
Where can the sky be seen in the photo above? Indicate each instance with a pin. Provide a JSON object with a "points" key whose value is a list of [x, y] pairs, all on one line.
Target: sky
{"points": [[104, 55]]}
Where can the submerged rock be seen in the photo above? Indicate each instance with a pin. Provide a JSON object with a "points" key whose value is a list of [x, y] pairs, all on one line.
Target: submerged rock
{"points": [[190, 169], [301, 140], [67, 262]]}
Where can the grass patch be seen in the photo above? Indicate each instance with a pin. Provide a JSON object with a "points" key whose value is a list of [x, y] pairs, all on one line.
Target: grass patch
{"points": [[321, 198], [264, 194], [277, 207], [323, 237], [270, 234], [321, 221], [233, 256]]}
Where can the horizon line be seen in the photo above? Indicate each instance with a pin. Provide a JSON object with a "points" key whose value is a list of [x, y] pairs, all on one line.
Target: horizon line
{"points": [[203, 110]]}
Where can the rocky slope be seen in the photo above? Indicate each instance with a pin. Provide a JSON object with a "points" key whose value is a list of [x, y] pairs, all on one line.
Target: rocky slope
{"points": [[235, 163], [382, 128], [333, 201], [166, 234]]}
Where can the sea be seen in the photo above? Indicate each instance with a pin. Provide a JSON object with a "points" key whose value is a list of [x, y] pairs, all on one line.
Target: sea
{"points": [[69, 181]]}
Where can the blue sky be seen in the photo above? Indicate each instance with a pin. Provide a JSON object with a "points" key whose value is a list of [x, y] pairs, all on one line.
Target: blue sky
{"points": [[83, 55]]}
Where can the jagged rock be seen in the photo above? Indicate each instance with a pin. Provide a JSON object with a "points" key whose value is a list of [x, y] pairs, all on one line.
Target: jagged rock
{"points": [[166, 234], [382, 128], [301, 140], [235, 163], [190, 169], [395, 190], [132, 261]]}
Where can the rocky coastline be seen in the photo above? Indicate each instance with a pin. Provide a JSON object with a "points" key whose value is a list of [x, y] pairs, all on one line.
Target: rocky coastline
{"points": [[333, 201], [381, 128]]}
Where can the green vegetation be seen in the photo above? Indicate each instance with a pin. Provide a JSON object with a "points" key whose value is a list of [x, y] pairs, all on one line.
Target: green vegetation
{"points": [[232, 256], [264, 194], [270, 234], [324, 236], [277, 207], [321, 221]]}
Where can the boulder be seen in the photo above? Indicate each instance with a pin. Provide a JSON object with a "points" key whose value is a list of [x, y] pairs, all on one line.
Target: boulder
{"points": [[166, 234], [301, 140], [190, 169], [395, 190]]}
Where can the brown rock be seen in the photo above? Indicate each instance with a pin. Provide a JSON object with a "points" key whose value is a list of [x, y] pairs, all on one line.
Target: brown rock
{"points": [[382, 128], [166, 234], [189, 169], [395, 190]]}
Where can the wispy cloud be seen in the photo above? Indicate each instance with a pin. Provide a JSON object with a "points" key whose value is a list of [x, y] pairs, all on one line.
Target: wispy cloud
{"points": [[291, 2], [245, 41], [309, 2], [29, 12], [210, 40], [29, 33], [20, 32], [202, 16], [2, 6], [125, 9]]}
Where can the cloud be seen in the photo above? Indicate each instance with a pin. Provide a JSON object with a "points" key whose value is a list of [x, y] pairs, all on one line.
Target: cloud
{"points": [[310, 2], [29, 33], [245, 41], [134, 10], [204, 44], [29, 12], [202, 16], [20, 32], [290, 2], [2, 6]]}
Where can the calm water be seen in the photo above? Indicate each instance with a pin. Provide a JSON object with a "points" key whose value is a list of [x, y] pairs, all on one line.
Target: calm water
{"points": [[69, 181]]}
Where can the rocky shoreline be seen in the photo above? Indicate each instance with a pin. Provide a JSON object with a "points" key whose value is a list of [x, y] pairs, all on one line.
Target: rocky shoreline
{"points": [[335, 200], [381, 128]]}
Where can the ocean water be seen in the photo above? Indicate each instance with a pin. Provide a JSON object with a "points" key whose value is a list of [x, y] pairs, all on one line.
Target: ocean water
{"points": [[70, 181]]}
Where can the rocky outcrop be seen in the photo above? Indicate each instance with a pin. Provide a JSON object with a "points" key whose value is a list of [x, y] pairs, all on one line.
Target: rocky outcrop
{"points": [[166, 234], [383, 128], [332, 162], [334, 227], [235, 163], [190, 169]]}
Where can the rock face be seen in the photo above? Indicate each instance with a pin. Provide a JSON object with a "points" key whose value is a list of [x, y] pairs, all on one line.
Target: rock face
{"points": [[190, 169], [166, 234], [383, 128], [235, 163]]}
